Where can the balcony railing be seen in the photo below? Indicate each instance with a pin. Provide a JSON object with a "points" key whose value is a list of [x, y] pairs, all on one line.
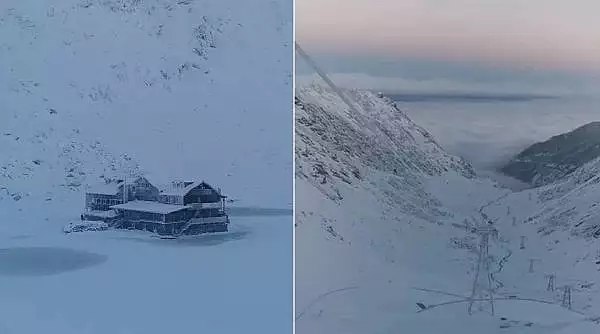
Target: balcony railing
{"points": [[215, 205], [209, 220]]}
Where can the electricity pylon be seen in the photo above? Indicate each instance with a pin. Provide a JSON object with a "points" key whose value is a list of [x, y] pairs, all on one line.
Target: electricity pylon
{"points": [[482, 291]]}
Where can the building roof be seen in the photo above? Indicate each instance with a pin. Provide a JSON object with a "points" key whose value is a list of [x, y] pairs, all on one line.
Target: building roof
{"points": [[173, 190], [151, 207], [103, 214], [182, 190], [104, 188]]}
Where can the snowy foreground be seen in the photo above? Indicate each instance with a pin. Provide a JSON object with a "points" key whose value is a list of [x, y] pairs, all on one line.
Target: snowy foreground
{"points": [[386, 239], [133, 283]]}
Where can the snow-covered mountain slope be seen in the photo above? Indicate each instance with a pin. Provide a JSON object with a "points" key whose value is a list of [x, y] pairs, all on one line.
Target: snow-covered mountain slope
{"points": [[192, 89], [558, 227], [571, 205], [334, 146], [45, 162], [549, 161], [383, 215]]}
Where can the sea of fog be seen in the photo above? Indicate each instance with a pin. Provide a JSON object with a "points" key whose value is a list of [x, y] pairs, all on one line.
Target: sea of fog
{"points": [[490, 130]]}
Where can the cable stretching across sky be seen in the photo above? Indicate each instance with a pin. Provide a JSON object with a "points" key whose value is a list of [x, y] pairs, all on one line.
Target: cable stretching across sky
{"points": [[351, 104]]}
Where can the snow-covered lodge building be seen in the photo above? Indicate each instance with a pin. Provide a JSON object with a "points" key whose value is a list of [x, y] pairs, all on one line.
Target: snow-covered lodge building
{"points": [[179, 208]]}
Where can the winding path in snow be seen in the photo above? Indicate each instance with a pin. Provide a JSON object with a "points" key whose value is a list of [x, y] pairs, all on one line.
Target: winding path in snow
{"points": [[501, 264]]}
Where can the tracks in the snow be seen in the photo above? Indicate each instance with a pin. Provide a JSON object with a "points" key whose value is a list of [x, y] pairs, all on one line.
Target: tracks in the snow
{"points": [[321, 297]]}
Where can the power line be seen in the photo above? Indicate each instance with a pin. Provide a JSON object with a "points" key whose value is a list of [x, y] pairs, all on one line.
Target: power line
{"points": [[346, 99], [325, 78]]}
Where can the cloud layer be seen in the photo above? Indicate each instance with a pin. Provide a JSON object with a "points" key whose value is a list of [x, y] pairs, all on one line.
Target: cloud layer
{"points": [[490, 133], [456, 86], [546, 34]]}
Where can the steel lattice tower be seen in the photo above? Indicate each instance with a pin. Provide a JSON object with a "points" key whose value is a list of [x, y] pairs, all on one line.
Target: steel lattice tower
{"points": [[482, 292]]}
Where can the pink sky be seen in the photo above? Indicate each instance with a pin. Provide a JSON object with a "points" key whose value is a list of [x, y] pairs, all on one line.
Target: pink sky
{"points": [[556, 34]]}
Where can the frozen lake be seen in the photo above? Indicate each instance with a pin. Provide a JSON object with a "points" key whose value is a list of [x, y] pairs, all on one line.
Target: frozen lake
{"points": [[132, 282], [255, 211], [40, 261]]}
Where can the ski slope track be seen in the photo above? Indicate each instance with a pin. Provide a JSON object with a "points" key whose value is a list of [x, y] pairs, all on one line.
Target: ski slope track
{"points": [[172, 89], [387, 234]]}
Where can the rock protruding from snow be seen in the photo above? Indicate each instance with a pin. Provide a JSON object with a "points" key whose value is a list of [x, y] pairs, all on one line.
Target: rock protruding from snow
{"points": [[84, 226]]}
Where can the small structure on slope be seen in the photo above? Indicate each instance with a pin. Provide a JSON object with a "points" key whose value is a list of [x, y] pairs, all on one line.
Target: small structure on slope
{"points": [[179, 208]]}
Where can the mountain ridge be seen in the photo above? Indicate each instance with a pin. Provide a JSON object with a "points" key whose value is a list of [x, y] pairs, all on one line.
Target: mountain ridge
{"points": [[548, 161]]}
